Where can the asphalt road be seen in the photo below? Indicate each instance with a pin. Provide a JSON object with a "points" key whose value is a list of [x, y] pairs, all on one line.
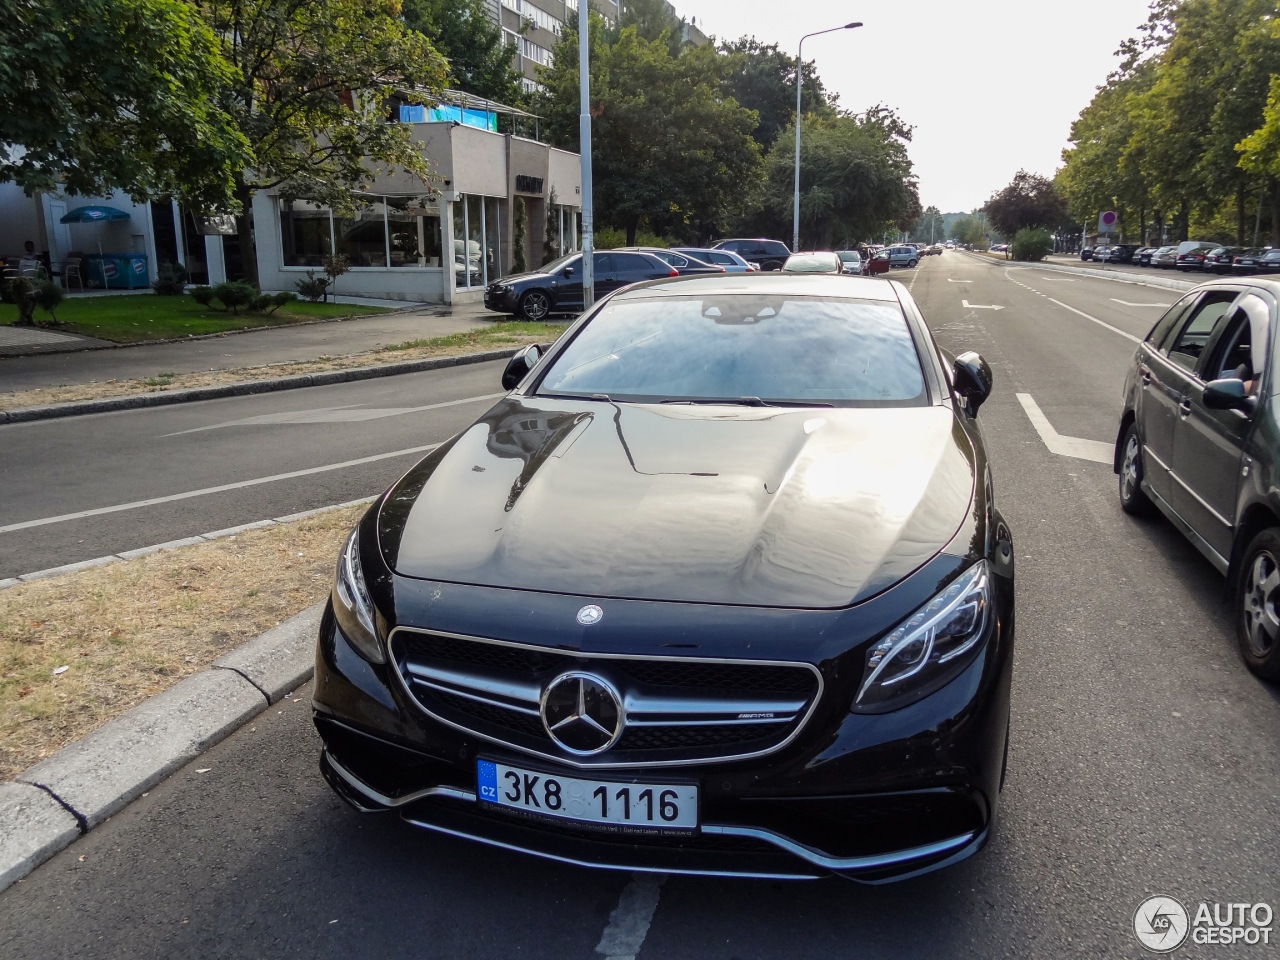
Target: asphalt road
{"points": [[1142, 759]]}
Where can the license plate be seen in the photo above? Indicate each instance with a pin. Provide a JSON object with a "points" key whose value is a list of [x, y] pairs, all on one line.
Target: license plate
{"points": [[623, 806]]}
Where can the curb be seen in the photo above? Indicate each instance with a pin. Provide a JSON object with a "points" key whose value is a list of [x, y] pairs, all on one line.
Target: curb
{"points": [[244, 388], [51, 804], [1167, 283]]}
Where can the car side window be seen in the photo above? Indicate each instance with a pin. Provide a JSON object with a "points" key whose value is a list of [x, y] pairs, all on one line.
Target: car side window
{"points": [[1196, 332], [1160, 332], [602, 263], [1241, 350], [634, 264]]}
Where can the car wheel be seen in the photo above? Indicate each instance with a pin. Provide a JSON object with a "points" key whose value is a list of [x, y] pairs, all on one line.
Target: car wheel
{"points": [[911, 264], [1257, 610], [770, 265], [535, 305], [1133, 500]]}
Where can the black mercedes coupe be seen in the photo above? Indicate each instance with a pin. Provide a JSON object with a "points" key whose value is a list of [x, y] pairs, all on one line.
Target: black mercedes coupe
{"points": [[718, 587]]}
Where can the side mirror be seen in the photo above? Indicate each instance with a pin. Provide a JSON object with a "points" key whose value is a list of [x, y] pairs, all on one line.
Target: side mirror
{"points": [[972, 377], [568, 271], [524, 360], [1227, 394]]}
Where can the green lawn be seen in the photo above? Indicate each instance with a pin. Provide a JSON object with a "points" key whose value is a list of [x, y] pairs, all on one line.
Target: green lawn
{"points": [[130, 319]]}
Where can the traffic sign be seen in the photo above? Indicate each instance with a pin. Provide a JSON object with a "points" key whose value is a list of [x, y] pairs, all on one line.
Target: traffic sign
{"points": [[1107, 221]]}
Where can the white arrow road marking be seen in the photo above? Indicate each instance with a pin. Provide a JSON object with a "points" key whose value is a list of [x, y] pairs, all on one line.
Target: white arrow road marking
{"points": [[1094, 450], [240, 485], [1128, 304], [949, 280], [629, 922], [980, 306], [1101, 323], [348, 414]]}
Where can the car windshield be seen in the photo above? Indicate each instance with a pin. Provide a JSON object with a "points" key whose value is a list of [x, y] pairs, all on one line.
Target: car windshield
{"points": [[811, 263], [850, 256], [555, 265], [743, 348]]}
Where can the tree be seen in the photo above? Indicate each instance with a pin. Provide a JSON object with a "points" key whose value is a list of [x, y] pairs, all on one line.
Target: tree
{"points": [[97, 95], [653, 20], [308, 90], [930, 226], [670, 146], [763, 78], [480, 61], [1029, 200], [968, 229], [856, 180]]}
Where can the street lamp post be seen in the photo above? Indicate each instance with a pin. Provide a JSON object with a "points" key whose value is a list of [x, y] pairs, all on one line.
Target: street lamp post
{"points": [[584, 136], [795, 216]]}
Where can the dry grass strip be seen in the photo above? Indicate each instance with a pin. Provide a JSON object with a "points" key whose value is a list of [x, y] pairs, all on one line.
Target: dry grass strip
{"points": [[494, 337], [129, 630]]}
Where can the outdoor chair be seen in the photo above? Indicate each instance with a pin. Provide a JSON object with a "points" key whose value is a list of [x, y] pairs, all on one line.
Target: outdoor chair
{"points": [[70, 271]]}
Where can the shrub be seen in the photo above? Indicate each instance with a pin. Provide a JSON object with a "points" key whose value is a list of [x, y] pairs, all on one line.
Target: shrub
{"points": [[234, 294], [1032, 243], [48, 295], [314, 288], [20, 290], [202, 295], [518, 262], [278, 300], [259, 303], [170, 280]]}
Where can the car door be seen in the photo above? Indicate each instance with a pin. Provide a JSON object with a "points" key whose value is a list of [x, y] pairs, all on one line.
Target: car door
{"points": [[1209, 444], [1166, 371], [606, 278], [566, 285]]}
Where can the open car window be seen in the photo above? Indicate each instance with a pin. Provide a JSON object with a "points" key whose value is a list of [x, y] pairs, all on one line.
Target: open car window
{"points": [[730, 348]]}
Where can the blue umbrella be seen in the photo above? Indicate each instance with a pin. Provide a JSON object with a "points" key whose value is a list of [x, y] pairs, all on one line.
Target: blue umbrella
{"points": [[96, 214]]}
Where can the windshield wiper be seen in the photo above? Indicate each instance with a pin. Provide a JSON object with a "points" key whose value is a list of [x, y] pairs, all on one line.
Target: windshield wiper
{"points": [[750, 402]]}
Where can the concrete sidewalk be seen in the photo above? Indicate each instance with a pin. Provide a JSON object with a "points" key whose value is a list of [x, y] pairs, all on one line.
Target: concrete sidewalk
{"points": [[234, 351]]}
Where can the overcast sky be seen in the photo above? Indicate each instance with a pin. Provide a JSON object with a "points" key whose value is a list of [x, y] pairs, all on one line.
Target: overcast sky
{"points": [[990, 86]]}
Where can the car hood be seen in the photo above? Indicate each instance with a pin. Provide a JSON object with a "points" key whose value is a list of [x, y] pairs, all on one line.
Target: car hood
{"points": [[815, 508]]}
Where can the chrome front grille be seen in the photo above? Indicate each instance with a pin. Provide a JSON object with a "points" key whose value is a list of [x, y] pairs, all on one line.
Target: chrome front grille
{"points": [[677, 710]]}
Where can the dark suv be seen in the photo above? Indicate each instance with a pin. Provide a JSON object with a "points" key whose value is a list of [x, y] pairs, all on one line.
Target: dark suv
{"points": [[1198, 440], [556, 287], [766, 254]]}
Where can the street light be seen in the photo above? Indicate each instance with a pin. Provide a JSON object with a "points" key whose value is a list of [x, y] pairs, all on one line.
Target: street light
{"points": [[795, 231]]}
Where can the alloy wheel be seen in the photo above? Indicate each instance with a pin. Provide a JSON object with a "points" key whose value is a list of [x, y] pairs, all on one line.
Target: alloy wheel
{"points": [[1129, 469], [1261, 619], [535, 305]]}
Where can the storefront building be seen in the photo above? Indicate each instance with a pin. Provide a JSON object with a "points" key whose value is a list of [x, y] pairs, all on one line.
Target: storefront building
{"points": [[443, 243]]}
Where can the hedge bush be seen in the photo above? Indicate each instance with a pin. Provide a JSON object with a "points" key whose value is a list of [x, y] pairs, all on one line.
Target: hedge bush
{"points": [[1032, 243]]}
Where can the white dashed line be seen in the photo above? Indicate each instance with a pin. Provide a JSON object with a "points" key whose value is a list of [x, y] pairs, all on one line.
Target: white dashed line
{"points": [[629, 922], [1101, 323]]}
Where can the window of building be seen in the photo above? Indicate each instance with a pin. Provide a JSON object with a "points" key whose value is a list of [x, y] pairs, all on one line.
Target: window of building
{"points": [[413, 232], [381, 231], [362, 236], [478, 250], [305, 233]]}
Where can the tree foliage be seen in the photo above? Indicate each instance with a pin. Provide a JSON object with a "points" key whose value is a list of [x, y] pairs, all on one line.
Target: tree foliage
{"points": [[670, 145], [1175, 134], [97, 95], [930, 226], [1029, 200], [479, 59], [763, 78], [856, 180]]}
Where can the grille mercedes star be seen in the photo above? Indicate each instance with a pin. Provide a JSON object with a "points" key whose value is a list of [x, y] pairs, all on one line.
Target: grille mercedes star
{"points": [[675, 709]]}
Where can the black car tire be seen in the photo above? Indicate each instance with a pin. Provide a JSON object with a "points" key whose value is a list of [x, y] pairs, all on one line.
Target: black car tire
{"points": [[911, 264], [535, 305], [1133, 500], [1258, 605], [771, 265]]}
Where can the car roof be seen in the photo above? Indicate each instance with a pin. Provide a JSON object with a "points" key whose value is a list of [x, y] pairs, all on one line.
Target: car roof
{"points": [[844, 286], [1263, 283]]}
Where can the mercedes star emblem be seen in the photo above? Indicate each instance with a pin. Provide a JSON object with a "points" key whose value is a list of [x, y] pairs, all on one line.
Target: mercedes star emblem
{"points": [[590, 614], [582, 713]]}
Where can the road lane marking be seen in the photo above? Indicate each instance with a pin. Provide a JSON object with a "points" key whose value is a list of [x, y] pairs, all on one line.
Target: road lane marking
{"points": [[1128, 304], [630, 919], [222, 488], [980, 306], [1059, 279], [949, 280], [1094, 450], [352, 413], [1101, 323]]}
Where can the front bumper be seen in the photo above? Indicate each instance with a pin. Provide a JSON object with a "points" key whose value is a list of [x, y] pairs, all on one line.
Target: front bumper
{"points": [[504, 301], [870, 797]]}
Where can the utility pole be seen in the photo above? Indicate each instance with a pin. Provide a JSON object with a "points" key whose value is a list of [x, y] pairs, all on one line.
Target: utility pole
{"points": [[584, 136]]}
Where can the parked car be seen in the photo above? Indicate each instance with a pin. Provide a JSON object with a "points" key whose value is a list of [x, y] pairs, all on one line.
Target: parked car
{"points": [[1142, 258], [1100, 252], [950, 245], [556, 287], [1165, 258], [496, 661], [932, 250], [877, 263], [1249, 261], [902, 255], [766, 254], [821, 261], [1119, 253], [1086, 253], [1270, 262], [1219, 259], [1196, 408], [1191, 254], [851, 259], [687, 266], [731, 262]]}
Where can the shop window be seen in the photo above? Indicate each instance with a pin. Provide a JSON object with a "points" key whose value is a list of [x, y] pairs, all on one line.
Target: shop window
{"points": [[363, 235], [493, 238], [413, 227], [304, 233]]}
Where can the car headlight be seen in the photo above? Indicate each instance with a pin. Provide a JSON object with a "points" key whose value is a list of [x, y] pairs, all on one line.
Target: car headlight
{"points": [[931, 647], [352, 605]]}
